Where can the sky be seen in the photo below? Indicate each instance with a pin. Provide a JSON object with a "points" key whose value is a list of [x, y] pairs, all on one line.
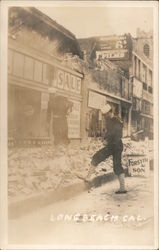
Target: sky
{"points": [[99, 21]]}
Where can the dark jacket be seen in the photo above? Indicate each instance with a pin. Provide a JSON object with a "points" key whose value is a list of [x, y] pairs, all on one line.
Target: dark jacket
{"points": [[114, 130]]}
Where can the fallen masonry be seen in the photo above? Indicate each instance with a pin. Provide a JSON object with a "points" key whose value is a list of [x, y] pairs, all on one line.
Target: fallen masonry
{"points": [[32, 170]]}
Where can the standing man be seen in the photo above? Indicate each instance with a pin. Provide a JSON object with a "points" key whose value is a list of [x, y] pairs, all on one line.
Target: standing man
{"points": [[59, 108], [113, 146]]}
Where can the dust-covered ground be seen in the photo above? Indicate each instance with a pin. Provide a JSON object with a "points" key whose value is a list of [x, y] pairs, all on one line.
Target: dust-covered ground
{"points": [[99, 217], [32, 170]]}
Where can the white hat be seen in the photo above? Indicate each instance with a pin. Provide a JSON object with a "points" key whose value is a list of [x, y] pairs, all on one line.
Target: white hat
{"points": [[106, 108]]}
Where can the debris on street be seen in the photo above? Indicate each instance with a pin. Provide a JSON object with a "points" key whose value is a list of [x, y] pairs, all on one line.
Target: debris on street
{"points": [[40, 169]]}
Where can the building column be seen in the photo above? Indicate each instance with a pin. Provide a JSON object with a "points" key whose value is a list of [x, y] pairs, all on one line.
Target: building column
{"points": [[133, 65], [129, 120], [137, 67]]}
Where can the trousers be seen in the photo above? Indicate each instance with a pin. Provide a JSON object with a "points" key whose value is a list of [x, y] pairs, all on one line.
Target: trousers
{"points": [[114, 149]]}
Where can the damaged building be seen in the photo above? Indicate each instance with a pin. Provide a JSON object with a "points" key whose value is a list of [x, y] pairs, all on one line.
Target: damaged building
{"points": [[38, 74], [109, 59], [57, 84]]}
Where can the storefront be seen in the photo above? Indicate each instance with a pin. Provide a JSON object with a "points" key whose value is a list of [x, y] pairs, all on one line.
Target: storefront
{"points": [[31, 80], [96, 123]]}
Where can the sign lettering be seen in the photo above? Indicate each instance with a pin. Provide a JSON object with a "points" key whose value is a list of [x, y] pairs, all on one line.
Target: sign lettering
{"points": [[67, 81], [138, 165], [74, 121], [111, 54]]}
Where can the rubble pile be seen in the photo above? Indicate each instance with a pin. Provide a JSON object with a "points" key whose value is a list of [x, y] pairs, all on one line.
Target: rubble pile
{"points": [[34, 170], [134, 147]]}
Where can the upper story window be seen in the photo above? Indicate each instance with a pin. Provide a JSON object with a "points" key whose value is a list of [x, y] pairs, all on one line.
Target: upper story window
{"points": [[146, 50]]}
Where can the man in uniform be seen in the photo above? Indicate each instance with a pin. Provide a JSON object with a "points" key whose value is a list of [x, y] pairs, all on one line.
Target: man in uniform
{"points": [[113, 146]]}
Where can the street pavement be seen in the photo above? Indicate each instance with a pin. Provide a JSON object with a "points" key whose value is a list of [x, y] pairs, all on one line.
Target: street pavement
{"points": [[99, 217]]}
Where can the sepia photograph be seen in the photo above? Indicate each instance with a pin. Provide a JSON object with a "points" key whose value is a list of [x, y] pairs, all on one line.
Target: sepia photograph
{"points": [[79, 124]]}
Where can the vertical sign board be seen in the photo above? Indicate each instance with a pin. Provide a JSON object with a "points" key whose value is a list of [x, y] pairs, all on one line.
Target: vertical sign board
{"points": [[74, 121], [138, 165]]}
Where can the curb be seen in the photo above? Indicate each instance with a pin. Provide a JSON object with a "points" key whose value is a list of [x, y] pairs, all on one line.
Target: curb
{"points": [[19, 208]]}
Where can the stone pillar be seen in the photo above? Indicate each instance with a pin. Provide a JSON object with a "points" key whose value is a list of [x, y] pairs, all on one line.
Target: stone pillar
{"points": [[133, 65], [129, 120], [137, 67]]}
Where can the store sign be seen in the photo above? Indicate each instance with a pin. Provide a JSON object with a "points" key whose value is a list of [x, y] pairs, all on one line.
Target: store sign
{"points": [[113, 42], [28, 142], [138, 165], [112, 54], [96, 100], [74, 121], [137, 88], [67, 81]]}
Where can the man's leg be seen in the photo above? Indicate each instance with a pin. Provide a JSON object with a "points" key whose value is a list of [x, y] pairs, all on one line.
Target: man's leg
{"points": [[98, 157], [118, 170]]}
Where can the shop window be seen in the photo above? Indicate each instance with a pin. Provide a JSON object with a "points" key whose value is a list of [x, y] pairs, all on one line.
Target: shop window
{"points": [[28, 68], [139, 124], [144, 86], [23, 112], [144, 73], [133, 125], [94, 123], [150, 89], [146, 50], [147, 108], [38, 71], [10, 61], [137, 104], [143, 107], [18, 64]]}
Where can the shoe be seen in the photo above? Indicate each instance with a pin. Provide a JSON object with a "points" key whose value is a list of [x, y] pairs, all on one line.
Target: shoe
{"points": [[121, 192]]}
